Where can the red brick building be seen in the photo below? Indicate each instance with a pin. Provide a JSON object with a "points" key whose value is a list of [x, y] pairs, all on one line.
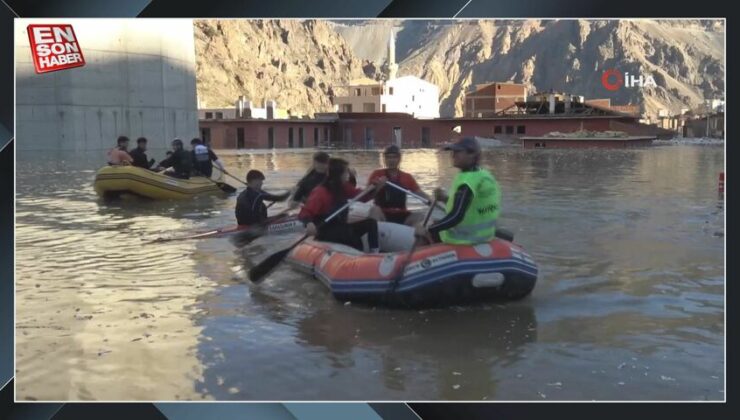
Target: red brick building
{"points": [[607, 104], [489, 99], [377, 130]]}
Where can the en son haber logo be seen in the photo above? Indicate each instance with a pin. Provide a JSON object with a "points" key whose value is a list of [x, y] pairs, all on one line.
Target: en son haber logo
{"points": [[54, 47]]}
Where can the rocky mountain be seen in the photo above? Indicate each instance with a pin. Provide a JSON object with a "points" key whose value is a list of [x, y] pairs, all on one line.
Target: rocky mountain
{"points": [[296, 63], [299, 63]]}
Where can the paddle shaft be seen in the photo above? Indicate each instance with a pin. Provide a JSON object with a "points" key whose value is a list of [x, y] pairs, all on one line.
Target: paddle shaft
{"points": [[259, 271], [239, 180], [399, 276], [224, 171], [413, 194]]}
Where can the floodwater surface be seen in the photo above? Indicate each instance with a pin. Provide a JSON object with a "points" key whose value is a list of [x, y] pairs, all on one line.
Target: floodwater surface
{"points": [[629, 304]]}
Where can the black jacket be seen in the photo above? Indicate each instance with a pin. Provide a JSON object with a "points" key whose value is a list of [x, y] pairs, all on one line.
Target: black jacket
{"points": [[140, 158], [250, 206], [181, 161], [311, 181]]}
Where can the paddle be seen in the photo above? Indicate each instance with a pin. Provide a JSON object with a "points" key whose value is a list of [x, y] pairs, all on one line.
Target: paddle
{"points": [[399, 276], [228, 189], [413, 194], [224, 171], [194, 236], [258, 272]]}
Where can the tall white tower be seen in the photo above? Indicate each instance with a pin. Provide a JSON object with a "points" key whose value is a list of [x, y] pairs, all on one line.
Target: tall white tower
{"points": [[392, 66]]}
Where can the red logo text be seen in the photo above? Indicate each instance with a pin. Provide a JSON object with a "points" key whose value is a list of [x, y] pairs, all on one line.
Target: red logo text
{"points": [[54, 47]]}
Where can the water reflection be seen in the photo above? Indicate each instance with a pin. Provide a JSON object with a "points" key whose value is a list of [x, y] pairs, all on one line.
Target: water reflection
{"points": [[629, 243]]}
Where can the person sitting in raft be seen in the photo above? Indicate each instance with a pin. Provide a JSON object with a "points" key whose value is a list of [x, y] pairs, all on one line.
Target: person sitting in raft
{"points": [[139, 154], [119, 155], [250, 206], [329, 196], [391, 201], [215, 161], [474, 202], [314, 178], [180, 161], [201, 159]]}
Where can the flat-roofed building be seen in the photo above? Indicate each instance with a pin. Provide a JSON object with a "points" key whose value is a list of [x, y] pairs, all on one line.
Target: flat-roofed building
{"points": [[489, 99]]}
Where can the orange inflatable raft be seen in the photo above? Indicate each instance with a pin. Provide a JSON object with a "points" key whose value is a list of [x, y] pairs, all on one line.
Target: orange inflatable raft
{"points": [[437, 274]]}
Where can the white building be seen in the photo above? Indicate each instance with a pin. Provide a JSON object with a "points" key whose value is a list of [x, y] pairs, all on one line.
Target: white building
{"points": [[411, 95], [407, 94], [244, 109]]}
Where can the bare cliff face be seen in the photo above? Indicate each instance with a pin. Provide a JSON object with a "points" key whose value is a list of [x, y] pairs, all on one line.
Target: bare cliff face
{"points": [[296, 63], [300, 63]]}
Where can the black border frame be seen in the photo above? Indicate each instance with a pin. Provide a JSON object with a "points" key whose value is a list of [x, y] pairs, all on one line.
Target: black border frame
{"points": [[332, 9]]}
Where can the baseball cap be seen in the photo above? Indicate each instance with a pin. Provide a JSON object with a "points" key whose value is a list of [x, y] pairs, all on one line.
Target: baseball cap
{"points": [[469, 144]]}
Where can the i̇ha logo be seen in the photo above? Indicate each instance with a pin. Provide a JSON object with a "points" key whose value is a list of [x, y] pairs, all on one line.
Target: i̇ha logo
{"points": [[54, 47], [612, 80]]}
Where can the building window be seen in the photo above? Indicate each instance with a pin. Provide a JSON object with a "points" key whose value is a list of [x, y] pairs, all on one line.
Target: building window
{"points": [[300, 137], [347, 108], [290, 137], [376, 91], [413, 97], [316, 137], [209, 115], [368, 107], [520, 129], [397, 140], [205, 134], [358, 92], [240, 138], [390, 90], [326, 135], [426, 137], [509, 129], [271, 137], [384, 108], [496, 129], [347, 136], [369, 138], [219, 115]]}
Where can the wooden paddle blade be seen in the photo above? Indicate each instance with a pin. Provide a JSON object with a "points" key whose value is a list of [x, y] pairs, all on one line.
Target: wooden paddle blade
{"points": [[258, 272], [226, 187]]}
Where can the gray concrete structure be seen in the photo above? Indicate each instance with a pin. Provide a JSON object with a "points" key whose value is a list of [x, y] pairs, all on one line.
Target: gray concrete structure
{"points": [[138, 80]]}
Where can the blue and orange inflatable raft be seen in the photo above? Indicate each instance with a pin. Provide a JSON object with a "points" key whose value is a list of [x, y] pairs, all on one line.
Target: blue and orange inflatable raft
{"points": [[437, 274]]}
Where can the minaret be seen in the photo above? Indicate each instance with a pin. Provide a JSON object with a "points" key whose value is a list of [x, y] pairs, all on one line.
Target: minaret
{"points": [[392, 66]]}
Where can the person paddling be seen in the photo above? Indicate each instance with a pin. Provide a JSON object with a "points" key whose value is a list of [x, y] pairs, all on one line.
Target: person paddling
{"points": [[180, 161], [314, 178], [250, 206], [392, 201], [331, 195], [201, 158], [139, 154], [119, 154], [474, 202]]}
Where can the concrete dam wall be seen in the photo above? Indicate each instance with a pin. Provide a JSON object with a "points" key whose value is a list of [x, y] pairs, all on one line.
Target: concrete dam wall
{"points": [[138, 80]]}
